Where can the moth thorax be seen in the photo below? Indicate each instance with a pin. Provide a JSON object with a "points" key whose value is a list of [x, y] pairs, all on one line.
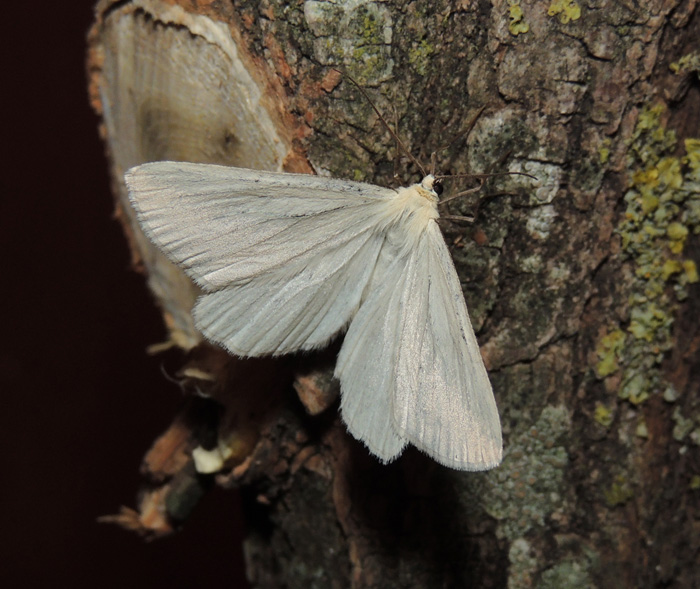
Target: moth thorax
{"points": [[429, 188]]}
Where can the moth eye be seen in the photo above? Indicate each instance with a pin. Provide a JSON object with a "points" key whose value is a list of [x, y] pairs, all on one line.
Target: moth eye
{"points": [[437, 187]]}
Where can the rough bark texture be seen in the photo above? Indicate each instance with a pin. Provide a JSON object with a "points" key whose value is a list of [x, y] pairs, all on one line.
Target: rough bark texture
{"points": [[583, 287]]}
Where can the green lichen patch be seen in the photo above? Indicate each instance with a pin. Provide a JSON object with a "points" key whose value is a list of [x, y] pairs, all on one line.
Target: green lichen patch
{"points": [[662, 213], [642, 430], [528, 488], [419, 56], [523, 564], [686, 428], [570, 574], [357, 35]]}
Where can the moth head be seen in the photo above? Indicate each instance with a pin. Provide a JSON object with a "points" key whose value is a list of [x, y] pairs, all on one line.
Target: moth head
{"points": [[431, 184]]}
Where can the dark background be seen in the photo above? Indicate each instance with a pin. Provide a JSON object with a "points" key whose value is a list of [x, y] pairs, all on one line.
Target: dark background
{"points": [[81, 400]]}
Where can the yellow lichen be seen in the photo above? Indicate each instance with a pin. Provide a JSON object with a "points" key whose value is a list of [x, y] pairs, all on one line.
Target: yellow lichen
{"points": [[608, 351], [669, 268], [663, 210], [567, 10], [635, 389], [646, 179], [650, 202], [603, 415], [669, 173], [677, 233], [642, 431], [687, 63], [692, 151], [517, 23], [619, 492], [691, 271], [646, 320]]}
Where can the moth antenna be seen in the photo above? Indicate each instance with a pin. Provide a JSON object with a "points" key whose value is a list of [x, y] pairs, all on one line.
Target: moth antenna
{"points": [[383, 120], [464, 192], [461, 134], [484, 176], [501, 161], [481, 178], [398, 148], [464, 218]]}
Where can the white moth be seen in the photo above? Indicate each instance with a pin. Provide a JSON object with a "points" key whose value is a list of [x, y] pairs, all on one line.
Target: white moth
{"points": [[287, 261]]}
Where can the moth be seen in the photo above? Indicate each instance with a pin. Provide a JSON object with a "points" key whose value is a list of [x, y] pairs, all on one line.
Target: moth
{"points": [[289, 261]]}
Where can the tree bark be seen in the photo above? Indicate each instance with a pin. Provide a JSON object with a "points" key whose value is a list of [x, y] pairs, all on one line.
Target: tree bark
{"points": [[582, 287]]}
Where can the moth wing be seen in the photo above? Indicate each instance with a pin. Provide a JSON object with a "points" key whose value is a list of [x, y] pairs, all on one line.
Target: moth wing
{"points": [[224, 225], [443, 402], [284, 258], [366, 362], [300, 308]]}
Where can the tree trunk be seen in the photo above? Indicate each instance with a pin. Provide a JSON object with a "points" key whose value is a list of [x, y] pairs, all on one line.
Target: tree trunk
{"points": [[582, 286]]}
